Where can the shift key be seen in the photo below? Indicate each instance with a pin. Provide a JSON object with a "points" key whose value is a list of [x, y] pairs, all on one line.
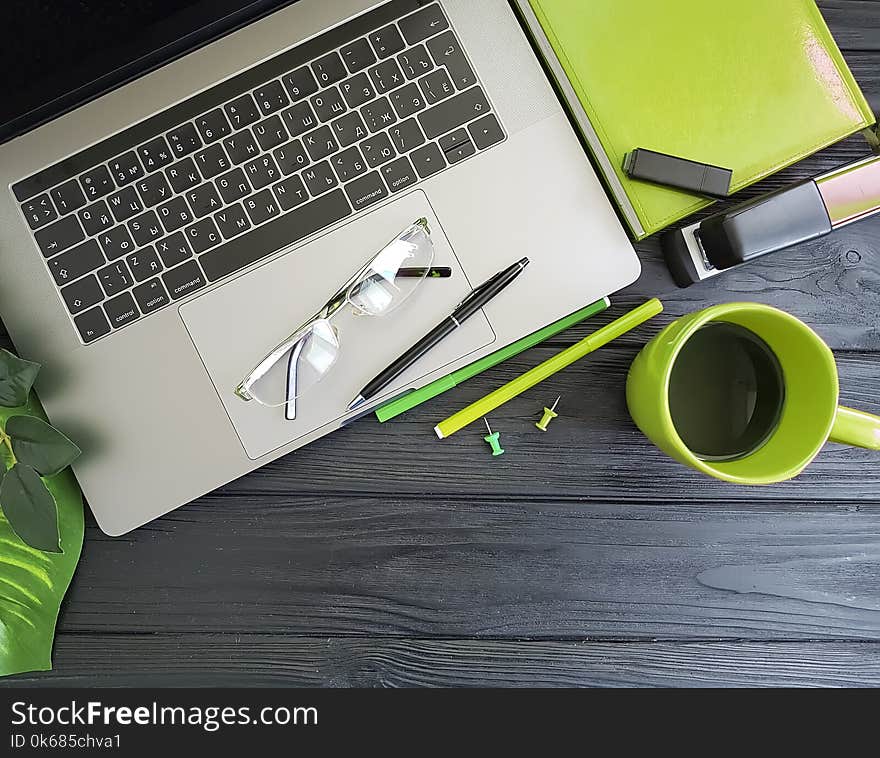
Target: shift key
{"points": [[454, 112]]}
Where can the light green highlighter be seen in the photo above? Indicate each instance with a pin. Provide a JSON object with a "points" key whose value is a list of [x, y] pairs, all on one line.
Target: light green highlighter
{"points": [[414, 398]]}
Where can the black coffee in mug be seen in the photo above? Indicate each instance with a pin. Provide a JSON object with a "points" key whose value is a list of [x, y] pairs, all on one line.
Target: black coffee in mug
{"points": [[726, 392]]}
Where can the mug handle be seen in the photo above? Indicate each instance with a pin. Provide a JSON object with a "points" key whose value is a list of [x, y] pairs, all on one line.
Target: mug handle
{"points": [[856, 428]]}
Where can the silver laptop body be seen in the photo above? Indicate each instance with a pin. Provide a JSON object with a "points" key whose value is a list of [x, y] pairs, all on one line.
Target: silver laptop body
{"points": [[142, 359]]}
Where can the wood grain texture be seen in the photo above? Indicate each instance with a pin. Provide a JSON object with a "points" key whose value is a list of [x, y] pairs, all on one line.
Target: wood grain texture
{"points": [[524, 567], [265, 661], [381, 557]]}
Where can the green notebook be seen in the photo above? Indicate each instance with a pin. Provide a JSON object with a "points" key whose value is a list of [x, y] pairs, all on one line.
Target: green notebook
{"points": [[749, 85]]}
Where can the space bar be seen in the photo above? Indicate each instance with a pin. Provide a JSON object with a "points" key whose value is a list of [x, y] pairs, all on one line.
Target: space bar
{"points": [[283, 231]]}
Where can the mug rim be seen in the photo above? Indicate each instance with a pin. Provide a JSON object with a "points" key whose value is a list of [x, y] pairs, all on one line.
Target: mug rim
{"points": [[696, 322]]}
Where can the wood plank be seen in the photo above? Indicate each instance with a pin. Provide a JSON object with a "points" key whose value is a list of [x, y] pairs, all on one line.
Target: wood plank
{"points": [[592, 451], [269, 661], [488, 567], [855, 24]]}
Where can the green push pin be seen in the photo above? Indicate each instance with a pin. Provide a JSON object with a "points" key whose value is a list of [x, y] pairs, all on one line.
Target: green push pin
{"points": [[493, 440], [549, 415]]}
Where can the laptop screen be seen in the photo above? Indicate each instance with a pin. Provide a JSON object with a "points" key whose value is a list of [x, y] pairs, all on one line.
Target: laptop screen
{"points": [[58, 54]]}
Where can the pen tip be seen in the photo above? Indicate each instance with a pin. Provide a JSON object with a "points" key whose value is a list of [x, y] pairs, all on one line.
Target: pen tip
{"points": [[356, 403], [524, 262]]}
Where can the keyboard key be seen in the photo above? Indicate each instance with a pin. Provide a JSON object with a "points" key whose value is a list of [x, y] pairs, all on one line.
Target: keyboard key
{"points": [[183, 140], [399, 175], [59, 236], [377, 150], [146, 228], [453, 140], [184, 279], [126, 168], [328, 104], [92, 325], [319, 178], [232, 221], [183, 175], [262, 171], [428, 160], [121, 310], [271, 97], [486, 131], [151, 296], [459, 153], [300, 83], [115, 278], [379, 114], [387, 41], [270, 132], [329, 69], [39, 211], [406, 136], [415, 62], [358, 55], [241, 147], [365, 191], [68, 197], [153, 189], [357, 90], [299, 119], [116, 242], [173, 249], [349, 164], [95, 218], [437, 86], [242, 112], [261, 207], [291, 157], [454, 112], [174, 214], [320, 143], [125, 204], [407, 100], [275, 235], [423, 24], [290, 193], [155, 154], [202, 235], [212, 161], [96, 182], [386, 76], [446, 51], [144, 263], [212, 126], [233, 185], [82, 294], [77, 262], [204, 200], [349, 129]]}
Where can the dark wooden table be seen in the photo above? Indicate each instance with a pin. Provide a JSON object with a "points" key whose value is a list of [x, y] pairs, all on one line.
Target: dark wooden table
{"points": [[380, 556]]}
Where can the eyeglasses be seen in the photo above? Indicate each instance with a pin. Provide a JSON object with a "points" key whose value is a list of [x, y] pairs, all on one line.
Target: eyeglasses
{"points": [[306, 356]]}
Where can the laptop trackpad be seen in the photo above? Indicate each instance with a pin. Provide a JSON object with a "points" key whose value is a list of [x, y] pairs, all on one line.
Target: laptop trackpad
{"points": [[234, 326]]}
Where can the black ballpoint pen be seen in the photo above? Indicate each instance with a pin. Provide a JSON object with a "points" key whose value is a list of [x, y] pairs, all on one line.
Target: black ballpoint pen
{"points": [[477, 298]]}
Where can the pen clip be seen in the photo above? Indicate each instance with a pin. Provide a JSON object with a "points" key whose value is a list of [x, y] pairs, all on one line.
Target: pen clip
{"points": [[477, 290]]}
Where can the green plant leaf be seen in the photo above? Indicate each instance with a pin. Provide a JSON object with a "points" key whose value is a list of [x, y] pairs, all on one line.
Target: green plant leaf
{"points": [[40, 445], [33, 583], [17, 376], [30, 508]]}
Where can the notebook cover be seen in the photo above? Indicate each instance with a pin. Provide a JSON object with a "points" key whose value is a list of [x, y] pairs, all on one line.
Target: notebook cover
{"points": [[751, 85]]}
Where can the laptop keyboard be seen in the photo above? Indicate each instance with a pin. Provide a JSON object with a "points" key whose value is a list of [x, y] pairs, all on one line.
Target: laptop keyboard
{"points": [[256, 163]]}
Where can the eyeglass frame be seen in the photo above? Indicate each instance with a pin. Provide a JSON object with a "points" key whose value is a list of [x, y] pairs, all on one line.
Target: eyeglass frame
{"points": [[338, 301]]}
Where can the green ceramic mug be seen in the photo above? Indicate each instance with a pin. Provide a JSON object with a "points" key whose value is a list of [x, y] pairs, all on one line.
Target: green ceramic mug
{"points": [[810, 415]]}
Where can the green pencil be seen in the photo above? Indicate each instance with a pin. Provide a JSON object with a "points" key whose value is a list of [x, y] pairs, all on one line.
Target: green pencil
{"points": [[413, 398]]}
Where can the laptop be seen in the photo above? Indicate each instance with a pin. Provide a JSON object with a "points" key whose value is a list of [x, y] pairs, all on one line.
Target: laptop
{"points": [[179, 200]]}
